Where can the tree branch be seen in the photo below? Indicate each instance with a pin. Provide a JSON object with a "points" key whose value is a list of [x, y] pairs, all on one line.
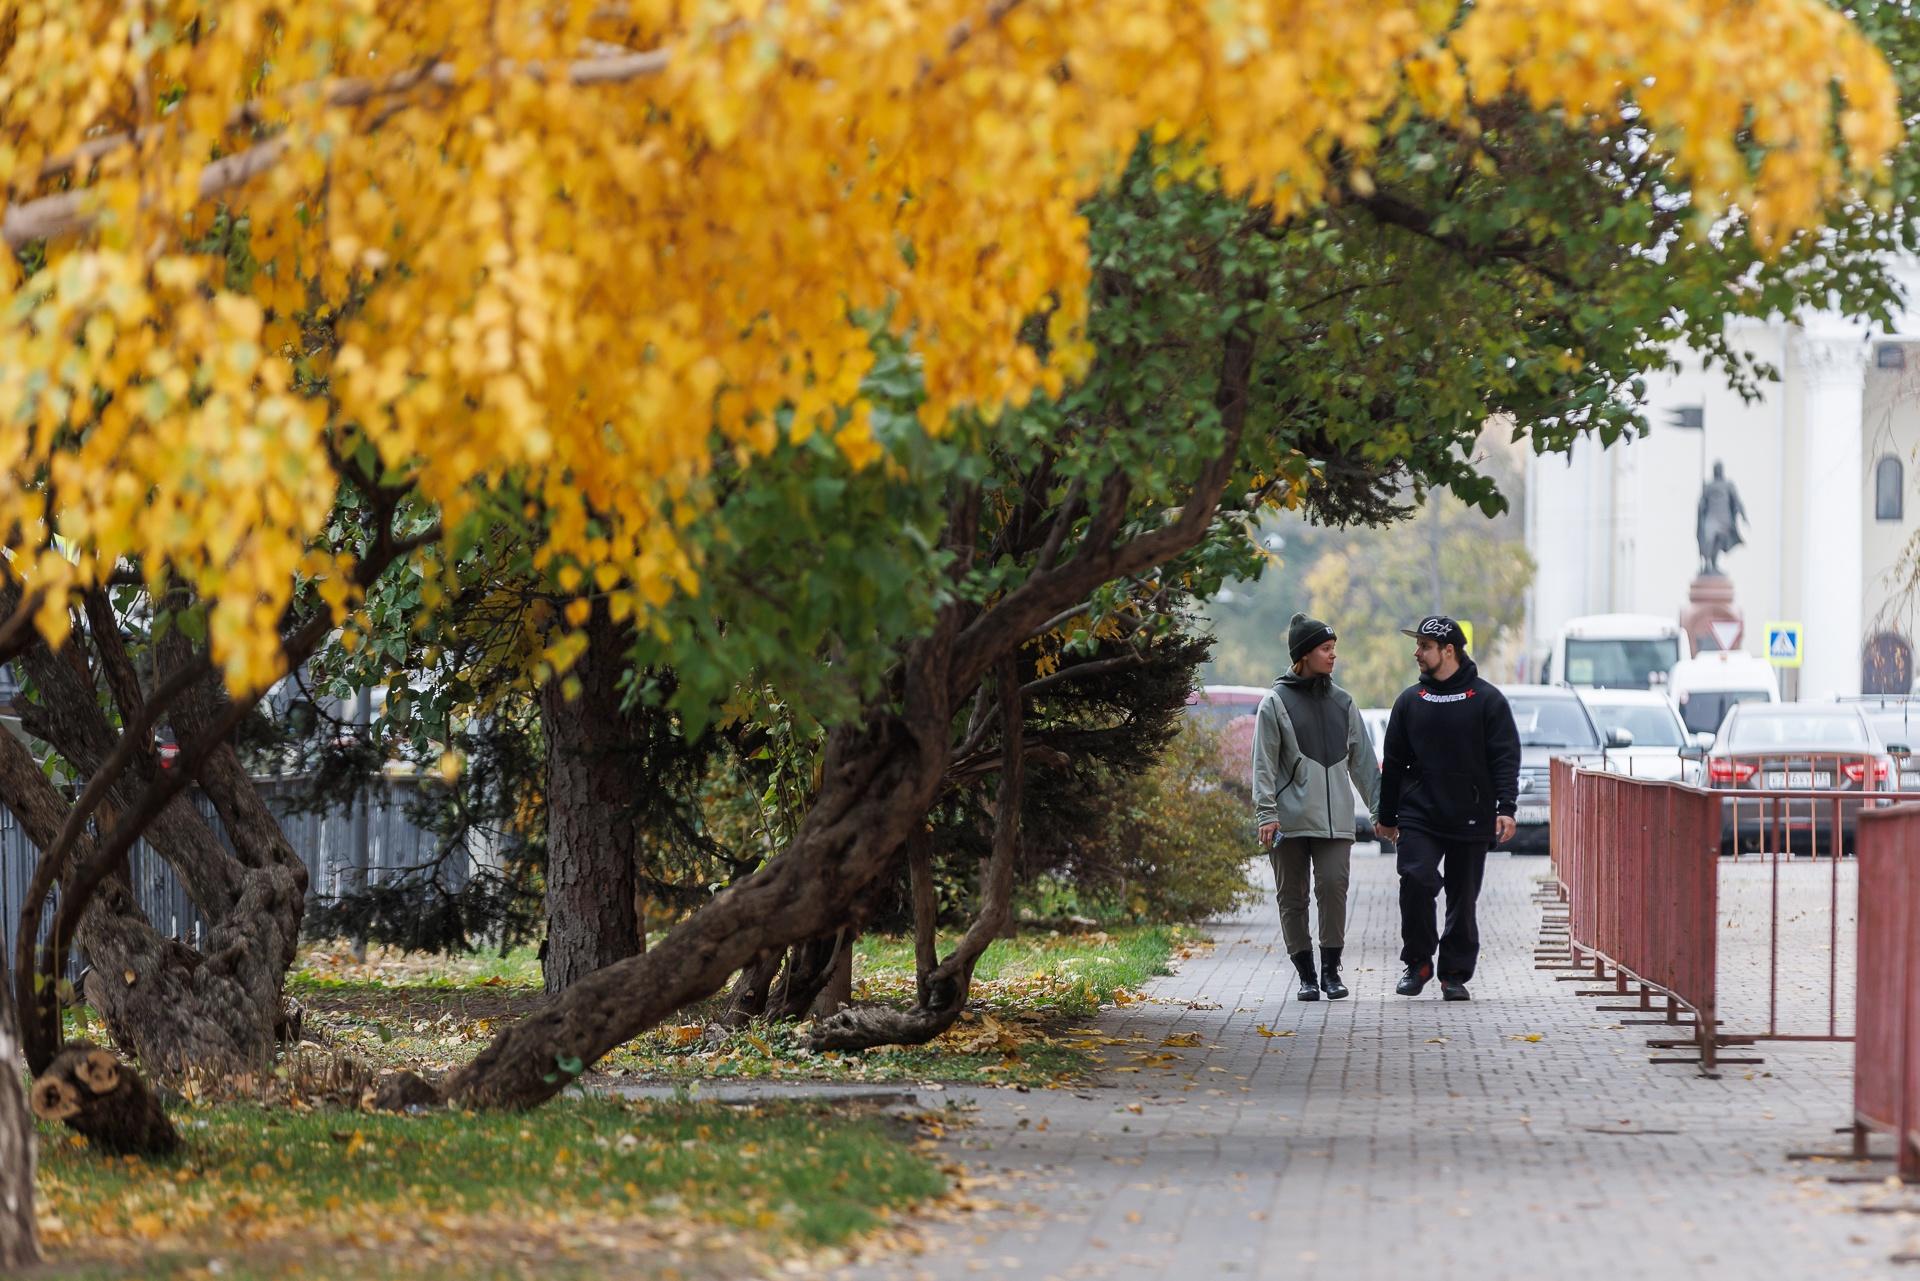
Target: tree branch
{"points": [[1081, 670], [1012, 620], [40, 1017]]}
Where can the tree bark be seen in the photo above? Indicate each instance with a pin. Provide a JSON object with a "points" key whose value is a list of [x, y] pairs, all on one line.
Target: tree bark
{"points": [[19, 1239], [926, 910], [167, 1004], [104, 1099], [946, 986], [836, 988], [593, 834], [878, 779], [809, 967], [751, 991]]}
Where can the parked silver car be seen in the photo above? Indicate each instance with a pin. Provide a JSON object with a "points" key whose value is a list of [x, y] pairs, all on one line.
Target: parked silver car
{"points": [[1808, 748]]}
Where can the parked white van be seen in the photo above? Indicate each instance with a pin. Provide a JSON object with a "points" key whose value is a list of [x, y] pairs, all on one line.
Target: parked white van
{"points": [[1705, 686], [1614, 651]]}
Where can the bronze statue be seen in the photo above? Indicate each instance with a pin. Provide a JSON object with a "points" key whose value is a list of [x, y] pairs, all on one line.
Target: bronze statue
{"points": [[1717, 526]]}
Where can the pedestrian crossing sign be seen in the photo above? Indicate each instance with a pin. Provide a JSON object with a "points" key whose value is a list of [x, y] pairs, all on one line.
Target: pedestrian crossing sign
{"points": [[1783, 644]]}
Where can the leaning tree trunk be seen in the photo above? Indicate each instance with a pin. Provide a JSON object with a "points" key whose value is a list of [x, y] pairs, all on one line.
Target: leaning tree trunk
{"points": [[879, 779], [876, 784], [593, 832], [19, 1244], [943, 988]]}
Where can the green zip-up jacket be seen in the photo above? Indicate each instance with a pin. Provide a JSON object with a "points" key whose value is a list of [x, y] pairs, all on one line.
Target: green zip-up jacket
{"points": [[1309, 747]]}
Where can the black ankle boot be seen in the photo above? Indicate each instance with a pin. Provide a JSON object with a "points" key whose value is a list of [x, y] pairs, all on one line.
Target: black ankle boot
{"points": [[1330, 974], [1309, 981]]}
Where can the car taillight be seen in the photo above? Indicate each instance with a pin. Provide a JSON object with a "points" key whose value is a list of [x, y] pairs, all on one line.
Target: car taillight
{"points": [[1731, 771], [1856, 771]]}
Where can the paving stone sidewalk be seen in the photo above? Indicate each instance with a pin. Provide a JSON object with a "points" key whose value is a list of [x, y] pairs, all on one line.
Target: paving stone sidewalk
{"points": [[1523, 1135]]}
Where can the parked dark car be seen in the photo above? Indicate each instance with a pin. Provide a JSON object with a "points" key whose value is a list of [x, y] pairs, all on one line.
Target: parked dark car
{"points": [[1807, 748], [1552, 722]]}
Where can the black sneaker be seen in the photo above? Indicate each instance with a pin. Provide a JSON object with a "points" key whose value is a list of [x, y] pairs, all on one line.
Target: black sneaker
{"points": [[1413, 980], [1452, 991]]}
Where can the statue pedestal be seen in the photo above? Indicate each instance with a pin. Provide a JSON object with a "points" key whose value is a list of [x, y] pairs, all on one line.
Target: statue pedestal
{"points": [[1711, 620]]}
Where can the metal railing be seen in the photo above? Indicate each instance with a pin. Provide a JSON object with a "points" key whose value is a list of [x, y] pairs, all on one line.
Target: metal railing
{"points": [[1795, 848], [1637, 863], [1886, 1047]]}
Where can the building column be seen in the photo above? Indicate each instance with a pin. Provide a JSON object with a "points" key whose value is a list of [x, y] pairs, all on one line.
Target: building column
{"points": [[1832, 369]]}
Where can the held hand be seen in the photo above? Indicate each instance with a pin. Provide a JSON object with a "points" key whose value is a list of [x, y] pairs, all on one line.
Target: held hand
{"points": [[1503, 828], [1268, 831], [1391, 835]]}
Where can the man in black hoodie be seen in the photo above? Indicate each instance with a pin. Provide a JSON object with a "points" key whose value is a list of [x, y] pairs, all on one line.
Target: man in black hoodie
{"points": [[1447, 790]]}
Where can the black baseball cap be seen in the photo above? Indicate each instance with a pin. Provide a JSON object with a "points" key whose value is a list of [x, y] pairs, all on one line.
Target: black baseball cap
{"points": [[1440, 629]]}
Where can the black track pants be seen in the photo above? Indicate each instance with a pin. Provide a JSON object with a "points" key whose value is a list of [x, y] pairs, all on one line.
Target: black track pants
{"points": [[1427, 865]]}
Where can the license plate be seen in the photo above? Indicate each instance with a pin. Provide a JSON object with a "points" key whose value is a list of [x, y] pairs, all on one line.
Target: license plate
{"points": [[1799, 778], [1533, 813]]}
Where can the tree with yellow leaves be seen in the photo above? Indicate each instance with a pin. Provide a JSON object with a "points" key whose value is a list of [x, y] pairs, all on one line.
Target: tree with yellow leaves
{"points": [[578, 255]]}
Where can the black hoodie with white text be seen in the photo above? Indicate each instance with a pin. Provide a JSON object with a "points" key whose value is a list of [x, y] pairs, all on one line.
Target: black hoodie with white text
{"points": [[1452, 758]]}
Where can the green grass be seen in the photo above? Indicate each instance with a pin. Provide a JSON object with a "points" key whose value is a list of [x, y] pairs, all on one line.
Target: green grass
{"points": [[438, 1013], [1063, 975], [328, 969], [467, 1193], [1030, 988]]}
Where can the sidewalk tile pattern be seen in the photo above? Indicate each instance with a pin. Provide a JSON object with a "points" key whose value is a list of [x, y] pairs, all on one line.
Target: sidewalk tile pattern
{"points": [[1523, 1135]]}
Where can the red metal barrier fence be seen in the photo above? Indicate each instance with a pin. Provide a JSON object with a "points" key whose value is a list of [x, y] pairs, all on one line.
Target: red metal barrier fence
{"points": [[1886, 1048], [1804, 841], [1639, 865], [1638, 862]]}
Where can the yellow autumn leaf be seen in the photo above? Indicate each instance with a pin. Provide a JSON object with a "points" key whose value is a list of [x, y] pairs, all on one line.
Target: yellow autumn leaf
{"points": [[700, 235]]}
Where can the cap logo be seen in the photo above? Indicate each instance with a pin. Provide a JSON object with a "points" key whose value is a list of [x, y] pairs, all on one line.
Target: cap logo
{"points": [[1436, 627]]}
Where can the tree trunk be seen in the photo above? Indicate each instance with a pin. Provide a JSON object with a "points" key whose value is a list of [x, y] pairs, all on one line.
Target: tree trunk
{"points": [[19, 1242], [836, 991], [216, 1010], [945, 988], [809, 968], [926, 910], [593, 834], [751, 992], [170, 1006], [876, 784]]}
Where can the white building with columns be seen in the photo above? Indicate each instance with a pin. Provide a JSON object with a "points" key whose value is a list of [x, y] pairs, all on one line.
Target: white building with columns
{"points": [[1825, 465]]}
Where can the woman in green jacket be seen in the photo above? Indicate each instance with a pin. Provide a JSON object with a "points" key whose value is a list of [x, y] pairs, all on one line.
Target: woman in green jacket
{"points": [[1309, 749]]}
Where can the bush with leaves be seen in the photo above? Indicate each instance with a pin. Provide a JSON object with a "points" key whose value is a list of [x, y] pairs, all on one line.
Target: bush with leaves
{"points": [[1173, 843]]}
